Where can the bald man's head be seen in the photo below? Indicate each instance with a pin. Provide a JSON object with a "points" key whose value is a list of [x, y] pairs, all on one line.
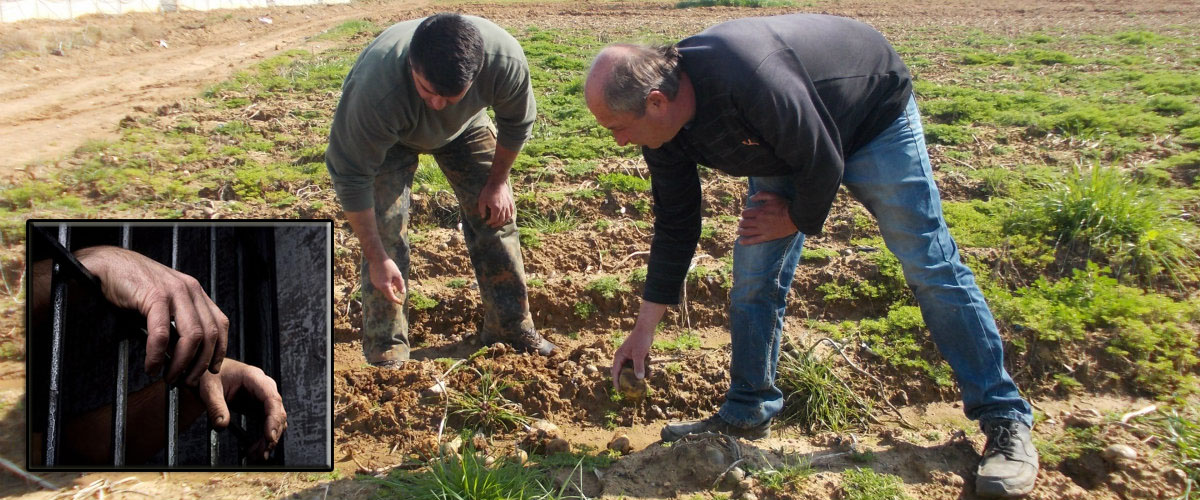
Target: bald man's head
{"points": [[632, 90], [623, 75]]}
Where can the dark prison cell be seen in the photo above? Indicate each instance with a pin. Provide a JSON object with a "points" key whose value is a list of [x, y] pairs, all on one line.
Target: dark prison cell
{"points": [[87, 358]]}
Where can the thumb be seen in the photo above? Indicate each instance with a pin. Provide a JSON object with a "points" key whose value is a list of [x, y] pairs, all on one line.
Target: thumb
{"points": [[764, 196], [639, 367], [213, 396]]}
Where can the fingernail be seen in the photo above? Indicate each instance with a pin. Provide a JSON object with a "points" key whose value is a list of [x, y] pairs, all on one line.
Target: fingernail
{"points": [[274, 434]]}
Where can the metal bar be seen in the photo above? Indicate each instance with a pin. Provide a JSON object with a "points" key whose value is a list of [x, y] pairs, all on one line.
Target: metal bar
{"points": [[120, 405], [214, 446], [241, 321], [59, 287], [173, 392]]}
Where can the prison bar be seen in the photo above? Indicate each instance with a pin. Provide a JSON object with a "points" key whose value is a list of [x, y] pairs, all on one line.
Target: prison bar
{"points": [[58, 286], [121, 398], [249, 299]]}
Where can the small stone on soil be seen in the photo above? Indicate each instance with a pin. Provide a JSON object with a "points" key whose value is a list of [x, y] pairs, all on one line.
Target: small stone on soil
{"points": [[1118, 452], [620, 444]]}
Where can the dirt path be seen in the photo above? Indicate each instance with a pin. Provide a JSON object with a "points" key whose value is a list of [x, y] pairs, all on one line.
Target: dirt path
{"points": [[51, 104]]}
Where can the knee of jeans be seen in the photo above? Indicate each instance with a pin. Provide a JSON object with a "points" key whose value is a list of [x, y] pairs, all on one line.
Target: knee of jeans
{"points": [[748, 289]]}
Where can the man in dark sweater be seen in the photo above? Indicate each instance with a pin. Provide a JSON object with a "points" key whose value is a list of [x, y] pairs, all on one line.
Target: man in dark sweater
{"points": [[800, 104], [424, 86]]}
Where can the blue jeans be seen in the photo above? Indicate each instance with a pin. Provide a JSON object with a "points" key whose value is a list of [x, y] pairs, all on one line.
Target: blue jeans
{"points": [[892, 177]]}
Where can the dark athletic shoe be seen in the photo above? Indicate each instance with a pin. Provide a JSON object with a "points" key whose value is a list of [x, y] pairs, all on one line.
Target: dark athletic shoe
{"points": [[529, 341], [1010, 463], [676, 430]]}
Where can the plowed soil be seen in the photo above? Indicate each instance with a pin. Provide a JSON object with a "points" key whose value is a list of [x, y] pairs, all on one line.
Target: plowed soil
{"points": [[51, 104]]}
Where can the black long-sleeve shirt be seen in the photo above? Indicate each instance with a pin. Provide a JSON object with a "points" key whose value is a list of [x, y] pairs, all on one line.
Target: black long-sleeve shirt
{"points": [[785, 95]]}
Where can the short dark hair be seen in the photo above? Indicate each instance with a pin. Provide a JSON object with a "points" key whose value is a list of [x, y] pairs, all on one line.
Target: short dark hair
{"points": [[447, 50], [643, 69]]}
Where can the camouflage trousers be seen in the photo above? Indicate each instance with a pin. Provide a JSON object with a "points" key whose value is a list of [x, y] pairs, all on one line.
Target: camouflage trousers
{"points": [[495, 252]]}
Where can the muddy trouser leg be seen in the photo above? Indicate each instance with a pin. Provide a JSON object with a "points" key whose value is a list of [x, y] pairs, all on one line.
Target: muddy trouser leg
{"points": [[385, 323], [495, 252], [892, 177]]}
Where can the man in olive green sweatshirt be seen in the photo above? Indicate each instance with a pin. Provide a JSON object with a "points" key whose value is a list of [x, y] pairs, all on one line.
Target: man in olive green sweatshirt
{"points": [[424, 86]]}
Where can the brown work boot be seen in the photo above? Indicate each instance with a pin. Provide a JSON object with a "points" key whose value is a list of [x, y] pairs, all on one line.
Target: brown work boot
{"points": [[392, 358], [716, 424], [528, 341]]}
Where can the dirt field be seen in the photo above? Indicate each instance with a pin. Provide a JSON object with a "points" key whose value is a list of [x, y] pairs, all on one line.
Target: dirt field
{"points": [[52, 104]]}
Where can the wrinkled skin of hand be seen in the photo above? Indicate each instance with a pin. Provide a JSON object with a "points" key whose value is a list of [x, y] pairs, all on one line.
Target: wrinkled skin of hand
{"points": [[133, 281], [246, 389]]}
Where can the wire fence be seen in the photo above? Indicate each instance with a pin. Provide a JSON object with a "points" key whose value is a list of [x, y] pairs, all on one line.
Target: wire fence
{"points": [[18, 10]]}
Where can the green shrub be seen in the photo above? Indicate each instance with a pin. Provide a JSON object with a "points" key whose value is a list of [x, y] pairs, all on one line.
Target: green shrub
{"points": [[607, 286], [624, 182], [1102, 211], [950, 135], [1152, 331], [420, 302]]}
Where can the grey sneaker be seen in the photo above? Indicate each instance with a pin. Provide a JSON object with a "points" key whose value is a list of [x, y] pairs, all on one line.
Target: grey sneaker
{"points": [[676, 430], [1010, 463]]}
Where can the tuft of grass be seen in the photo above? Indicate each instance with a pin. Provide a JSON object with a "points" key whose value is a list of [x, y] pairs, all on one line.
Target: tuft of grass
{"points": [[457, 283], [429, 176], [684, 341], [585, 310], [815, 397], [349, 29], [607, 286], [624, 183], [555, 221], [1182, 431], [1102, 214], [866, 484], [468, 477], [420, 302], [788, 472], [1071, 444], [485, 407]]}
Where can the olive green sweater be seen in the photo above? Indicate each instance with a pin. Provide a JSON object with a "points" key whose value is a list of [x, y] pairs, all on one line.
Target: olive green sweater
{"points": [[380, 108]]}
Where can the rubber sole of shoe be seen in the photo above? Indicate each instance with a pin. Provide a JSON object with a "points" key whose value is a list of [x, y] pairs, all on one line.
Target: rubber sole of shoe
{"points": [[997, 488]]}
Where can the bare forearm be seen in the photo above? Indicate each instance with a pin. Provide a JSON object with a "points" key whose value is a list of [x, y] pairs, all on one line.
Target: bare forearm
{"points": [[363, 224], [502, 164]]}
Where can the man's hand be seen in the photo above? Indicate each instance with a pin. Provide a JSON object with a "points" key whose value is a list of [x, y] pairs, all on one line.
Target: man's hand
{"points": [[766, 222], [248, 390], [637, 345], [386, 277], [496, 204], [133, 281]]}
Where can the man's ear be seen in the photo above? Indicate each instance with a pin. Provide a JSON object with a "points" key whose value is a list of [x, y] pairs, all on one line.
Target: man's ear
{"points": [[657, 100]]}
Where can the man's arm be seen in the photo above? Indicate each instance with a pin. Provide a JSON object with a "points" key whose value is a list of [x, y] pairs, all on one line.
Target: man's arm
{"points": [[385, 275], [130, 280], [495, 201], [676, 190]]}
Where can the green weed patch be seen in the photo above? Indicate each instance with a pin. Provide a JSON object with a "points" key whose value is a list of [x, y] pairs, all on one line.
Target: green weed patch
{"points": [[1151, 334]]}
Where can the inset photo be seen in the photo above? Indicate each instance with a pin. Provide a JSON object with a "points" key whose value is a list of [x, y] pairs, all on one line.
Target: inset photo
{"points": [[165, 345]]}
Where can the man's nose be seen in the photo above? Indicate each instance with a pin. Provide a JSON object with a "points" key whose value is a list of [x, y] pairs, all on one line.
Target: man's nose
{"points": [[621, 139], [437, 103]]}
